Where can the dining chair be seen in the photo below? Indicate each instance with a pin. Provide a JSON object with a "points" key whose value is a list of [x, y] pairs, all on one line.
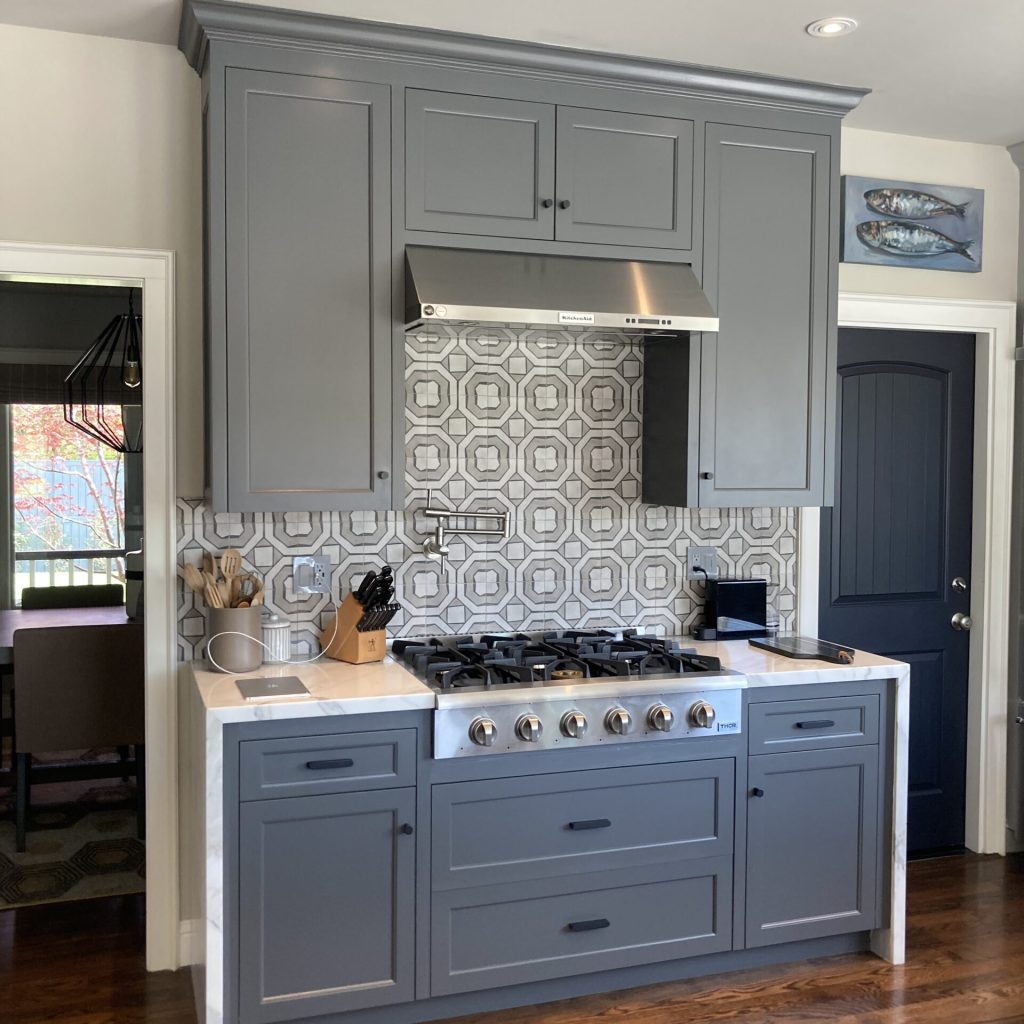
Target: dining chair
{"points": [[75, 688], [88, 595]]}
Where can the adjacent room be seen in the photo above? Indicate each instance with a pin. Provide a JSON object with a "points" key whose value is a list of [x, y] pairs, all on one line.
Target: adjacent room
{"points": [[511, 513]]}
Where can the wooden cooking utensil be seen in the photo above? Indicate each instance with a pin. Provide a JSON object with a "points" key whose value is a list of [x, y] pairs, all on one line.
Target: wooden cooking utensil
{"points": [[194, 578], [213, 598], [231, 563], [210, 564]]}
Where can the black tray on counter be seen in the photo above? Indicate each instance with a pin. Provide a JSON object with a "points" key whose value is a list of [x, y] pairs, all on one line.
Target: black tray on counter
{"points": [[792, 645]]}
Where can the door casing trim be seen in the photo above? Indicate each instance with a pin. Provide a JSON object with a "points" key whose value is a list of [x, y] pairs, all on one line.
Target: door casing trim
{"points": [[153, 270], [993, 326]]}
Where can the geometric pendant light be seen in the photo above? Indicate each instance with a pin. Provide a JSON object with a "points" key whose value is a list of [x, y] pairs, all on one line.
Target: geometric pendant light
{"points": [[103, 392]]}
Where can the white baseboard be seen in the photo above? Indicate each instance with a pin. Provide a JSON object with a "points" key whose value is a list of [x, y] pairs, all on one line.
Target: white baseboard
{"points": [[190, 942]]}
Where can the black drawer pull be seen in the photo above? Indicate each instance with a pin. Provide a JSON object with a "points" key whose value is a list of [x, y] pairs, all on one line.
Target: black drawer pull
{"points": [[589, 926], [582, 826], [825, 723], [325, 766]]}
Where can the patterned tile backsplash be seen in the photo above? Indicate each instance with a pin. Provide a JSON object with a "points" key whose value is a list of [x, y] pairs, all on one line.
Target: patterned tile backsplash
{"points": [[545, 425]]}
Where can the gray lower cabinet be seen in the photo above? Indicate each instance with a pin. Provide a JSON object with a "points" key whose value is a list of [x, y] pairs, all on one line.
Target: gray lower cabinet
{"points": [[760, 391], [326, 915], [624, 179], [812, 844], [485, 165], [302, 420]]}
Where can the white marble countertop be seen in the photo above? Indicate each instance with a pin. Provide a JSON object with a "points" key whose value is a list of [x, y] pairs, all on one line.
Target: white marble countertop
{"points": [[338, 688]]}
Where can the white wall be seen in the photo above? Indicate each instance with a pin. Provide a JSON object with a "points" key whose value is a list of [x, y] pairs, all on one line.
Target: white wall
{"points": [[100, 144], [936, 161]]}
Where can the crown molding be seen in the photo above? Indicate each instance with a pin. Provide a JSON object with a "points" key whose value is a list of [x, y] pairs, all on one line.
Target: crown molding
{"points": [[1017, 152], [203, 21]]}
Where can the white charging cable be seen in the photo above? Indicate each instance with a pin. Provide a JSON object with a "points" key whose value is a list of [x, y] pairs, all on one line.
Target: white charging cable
{"points": [[266, 647]]}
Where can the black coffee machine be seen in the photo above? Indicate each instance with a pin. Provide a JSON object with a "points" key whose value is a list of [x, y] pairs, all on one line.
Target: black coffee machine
{"points": [[734, 610]]}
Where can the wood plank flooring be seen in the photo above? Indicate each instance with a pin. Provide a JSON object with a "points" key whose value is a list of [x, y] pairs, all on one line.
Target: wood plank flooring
{"points": [[83, 964]]}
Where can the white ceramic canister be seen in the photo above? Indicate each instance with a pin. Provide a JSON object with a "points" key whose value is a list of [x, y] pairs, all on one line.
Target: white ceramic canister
{"points": [[277, 636]]}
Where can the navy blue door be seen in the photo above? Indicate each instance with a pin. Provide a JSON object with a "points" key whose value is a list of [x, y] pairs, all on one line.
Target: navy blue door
{"points": [[896, 548]]}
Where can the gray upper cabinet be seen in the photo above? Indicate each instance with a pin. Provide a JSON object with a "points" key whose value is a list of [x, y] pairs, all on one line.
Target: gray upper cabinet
{"points": [[326, 920], [479, 165], [812, 828], [624, 179], [766, 375], [304, 422]]}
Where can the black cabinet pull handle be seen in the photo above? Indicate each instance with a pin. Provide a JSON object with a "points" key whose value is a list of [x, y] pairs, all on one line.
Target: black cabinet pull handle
{"points": [[406, 829], [824, 723], [757, 791], [589, 926], [564, 204], [547, 203], [582, 826], [324, 766]]}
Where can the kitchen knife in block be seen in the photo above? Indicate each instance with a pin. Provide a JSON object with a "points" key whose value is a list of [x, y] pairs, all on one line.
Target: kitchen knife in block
{"points": [[347, 643]]}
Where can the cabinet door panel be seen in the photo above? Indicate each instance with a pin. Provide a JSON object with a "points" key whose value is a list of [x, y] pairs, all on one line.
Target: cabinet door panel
{"points": [[765, 374], [326, 904], [812, 834], [478, 165], [308, 403], [628, 179]]}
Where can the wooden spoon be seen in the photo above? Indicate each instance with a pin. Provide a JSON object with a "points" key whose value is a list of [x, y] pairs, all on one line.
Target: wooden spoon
{"points": [[194, 578], [210, 564]]}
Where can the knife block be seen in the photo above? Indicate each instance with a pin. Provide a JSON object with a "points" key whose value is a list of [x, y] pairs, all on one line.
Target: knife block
{"points": [[343, 642]]}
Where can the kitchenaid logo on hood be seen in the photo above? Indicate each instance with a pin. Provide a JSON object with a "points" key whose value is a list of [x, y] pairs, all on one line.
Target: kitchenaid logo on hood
{"points": [[575, 318]]}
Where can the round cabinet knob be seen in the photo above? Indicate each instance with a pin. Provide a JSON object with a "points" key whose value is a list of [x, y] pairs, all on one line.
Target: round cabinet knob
{"points": [[382, 474], [564, 204], [483, 732], [660, 717], [702, 715], [529, 728], [618, 721], [547, 203], [574, 725]]}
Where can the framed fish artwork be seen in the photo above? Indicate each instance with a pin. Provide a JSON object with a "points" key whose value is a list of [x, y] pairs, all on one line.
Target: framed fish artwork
{"points": [[910, 224]]}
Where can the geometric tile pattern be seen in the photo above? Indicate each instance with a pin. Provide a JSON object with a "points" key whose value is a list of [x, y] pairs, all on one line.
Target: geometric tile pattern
{"points": [[545, 425]]}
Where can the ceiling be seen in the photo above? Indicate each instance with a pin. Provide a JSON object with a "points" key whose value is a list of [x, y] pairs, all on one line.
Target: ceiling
{"points": [[939, 68]]}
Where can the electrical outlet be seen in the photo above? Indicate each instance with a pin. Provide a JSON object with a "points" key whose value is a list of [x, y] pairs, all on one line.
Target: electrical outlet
{"points": [[701, 558], [311, 574]]}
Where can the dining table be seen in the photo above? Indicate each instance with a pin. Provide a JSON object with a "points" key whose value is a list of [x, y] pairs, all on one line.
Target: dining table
{"points": [[39, 618]]}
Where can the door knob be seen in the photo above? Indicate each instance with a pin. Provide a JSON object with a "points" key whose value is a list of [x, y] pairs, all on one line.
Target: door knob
{"points": [[962, 622], [959, 584]]}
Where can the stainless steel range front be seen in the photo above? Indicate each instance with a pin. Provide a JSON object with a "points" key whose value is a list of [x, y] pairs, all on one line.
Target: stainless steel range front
{"points": [[550, 691]]}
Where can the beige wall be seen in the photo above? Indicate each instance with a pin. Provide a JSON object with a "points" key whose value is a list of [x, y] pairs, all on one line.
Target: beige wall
{"points": [[936, 161], [100, 144]]}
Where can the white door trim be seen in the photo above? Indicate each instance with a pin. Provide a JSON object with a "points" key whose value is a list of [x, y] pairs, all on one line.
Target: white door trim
{"points": [[153, 270], [992, 323]]}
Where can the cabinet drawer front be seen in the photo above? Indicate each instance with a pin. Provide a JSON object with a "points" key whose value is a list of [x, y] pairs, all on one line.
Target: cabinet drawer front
{"points": [[479, 165], [484, 938], [556, 825], [813, 724], [307, 765]]}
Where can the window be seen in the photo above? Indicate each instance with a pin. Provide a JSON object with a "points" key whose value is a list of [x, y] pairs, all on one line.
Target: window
{"points": [[68, 502]]}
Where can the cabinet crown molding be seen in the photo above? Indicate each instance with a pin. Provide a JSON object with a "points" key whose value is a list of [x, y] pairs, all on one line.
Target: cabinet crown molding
{"points": [[206, 20]]}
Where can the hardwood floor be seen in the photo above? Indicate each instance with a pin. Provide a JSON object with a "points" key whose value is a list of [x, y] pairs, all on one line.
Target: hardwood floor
{"points": [[82, 963]]}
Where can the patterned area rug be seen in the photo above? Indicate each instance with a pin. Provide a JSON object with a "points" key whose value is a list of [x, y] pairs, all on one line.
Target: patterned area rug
{"points": [[81, 842]]}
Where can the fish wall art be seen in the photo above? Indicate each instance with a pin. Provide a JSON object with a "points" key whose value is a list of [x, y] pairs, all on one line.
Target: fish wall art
{"points": [[909, 224]]}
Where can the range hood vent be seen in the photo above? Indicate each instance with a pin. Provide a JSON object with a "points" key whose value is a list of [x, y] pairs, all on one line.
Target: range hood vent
{"points": [[472, 287]]}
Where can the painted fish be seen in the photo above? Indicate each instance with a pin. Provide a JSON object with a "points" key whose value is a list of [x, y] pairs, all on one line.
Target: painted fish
{"points": [[903, 239], [908, 202]]}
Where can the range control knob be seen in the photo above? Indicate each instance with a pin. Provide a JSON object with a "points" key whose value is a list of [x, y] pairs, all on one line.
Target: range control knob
{"points": [[660, 717], [618, 721], [483, 732], [529, 728], [702, 715], [574, 725]]}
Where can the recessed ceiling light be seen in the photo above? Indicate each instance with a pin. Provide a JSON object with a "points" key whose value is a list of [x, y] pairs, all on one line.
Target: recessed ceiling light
{"points": [[828, 28]]}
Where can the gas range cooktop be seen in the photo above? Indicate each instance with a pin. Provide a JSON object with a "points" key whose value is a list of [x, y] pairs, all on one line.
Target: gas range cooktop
{"points": [[521, 660], [503, 693]]}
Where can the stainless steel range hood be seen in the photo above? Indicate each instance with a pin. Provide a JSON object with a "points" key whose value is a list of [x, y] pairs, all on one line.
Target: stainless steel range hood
{"points": [[460, 287]]}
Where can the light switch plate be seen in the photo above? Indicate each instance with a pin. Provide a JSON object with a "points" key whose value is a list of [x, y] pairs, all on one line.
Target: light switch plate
{"points": [[706, 559], [311, 574]]}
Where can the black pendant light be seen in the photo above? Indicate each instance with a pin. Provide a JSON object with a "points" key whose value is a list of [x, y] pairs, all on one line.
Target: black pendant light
{"points": [[109, 376]]}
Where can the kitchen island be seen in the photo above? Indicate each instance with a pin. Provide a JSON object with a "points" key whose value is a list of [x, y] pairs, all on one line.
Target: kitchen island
{"points": [[448, 900]]}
